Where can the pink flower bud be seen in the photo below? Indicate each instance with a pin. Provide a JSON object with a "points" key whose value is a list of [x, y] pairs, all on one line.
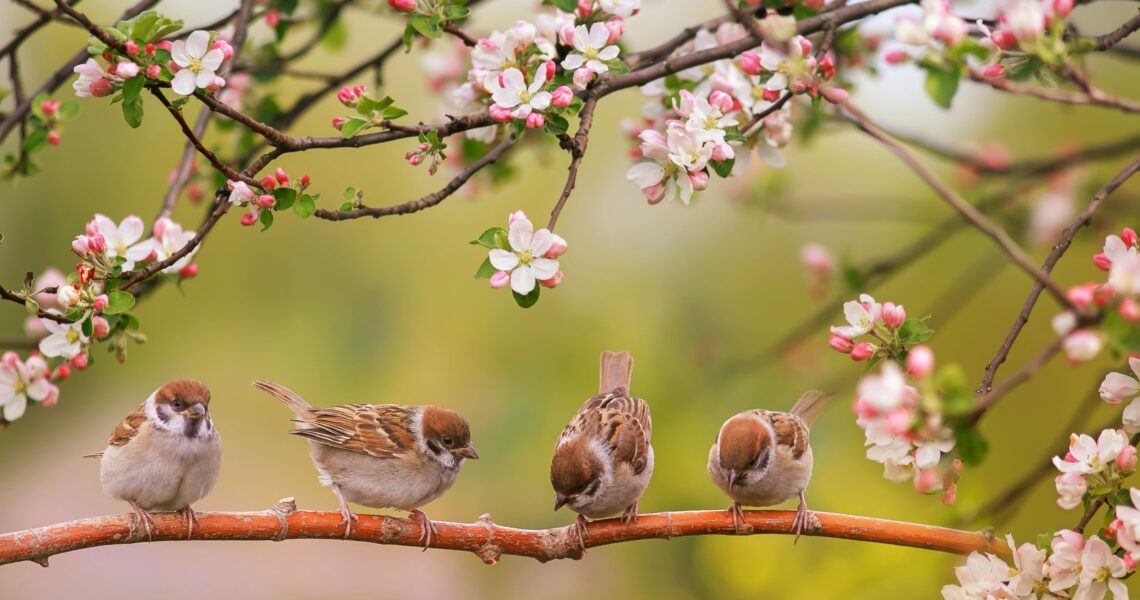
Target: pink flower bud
{"points": [[62, 372], [97, 243], [840, 343], [150, 49], [100, 302], [265, 201], [403, 5], [80, 361], [10, 359], [1070, 538], [190, 271], [515, 216], [500, 279], [1128, 236], [154, 72], [558, 248], [835, 95], [993, 71], [499, 114], [126, 70], [950, 496], [535, 120], [585, 7], [553, 281], [562, 96], [100, 328], [1062, 8], [1129, 562], [53, 138], [248, 219], [750, 62], [346, 96], [920, 361], [49, 107], [360, 90], [101, 87], [1102, 261], [721, 101], [896, 57], [615, 27], [1081, 295], [927, 481], [566, 35], [654, 193], [338, 122], [770, 95], [305, 181], [1126, 460], [827, 65], [80, 246], [216, 84], [131, 47], [894, 315], [225, 47], [1130, 310], [165, 45], [550, 69], [425, 147], [699, 179], [85, 272], [52, 396], [862, 351], [273, 18], [583, 77], [1004, 39], [268, 182], [67, 296], [281, 176], [415, 160]]}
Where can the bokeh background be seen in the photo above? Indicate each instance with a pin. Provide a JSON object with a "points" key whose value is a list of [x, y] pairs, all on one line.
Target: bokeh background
{"points": [[386, 311]]}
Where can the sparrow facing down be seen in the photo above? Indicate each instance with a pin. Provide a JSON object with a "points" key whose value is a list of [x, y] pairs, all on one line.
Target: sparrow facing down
{"points": [[762, 457], [165, 455], [381, 455], [603, 460]]}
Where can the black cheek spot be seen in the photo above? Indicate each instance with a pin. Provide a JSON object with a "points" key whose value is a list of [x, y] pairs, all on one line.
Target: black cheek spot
{"points": [[762, 462], [593, 487], [434, 447], [163, 414]]}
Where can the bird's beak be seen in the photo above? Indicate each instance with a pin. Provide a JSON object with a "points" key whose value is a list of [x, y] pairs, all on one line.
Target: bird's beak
{"points": [[196, 411], [468, 451], [560, 500], [732, 476]]}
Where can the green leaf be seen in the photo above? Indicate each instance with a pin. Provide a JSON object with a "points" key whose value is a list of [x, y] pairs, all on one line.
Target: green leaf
{"points": [[284, 197], [119, 301], [971, 446], [305, 206], [349, 193], [722, 167], [266, 219], [132, 101], [556, 124], [495, 237], [426, 25], [486, 270], [941, 85], [566, 6], [455, 12], [392, 112], [88, 327], [68, 110], [38, 137], [914, 331], [528, 300], [352, 126]]}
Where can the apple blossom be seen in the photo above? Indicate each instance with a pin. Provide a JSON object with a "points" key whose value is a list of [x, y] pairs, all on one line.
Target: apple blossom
{"points": [[154, 72], [525, 261], [197, 61], [1126, 460], [1029, 569], [1082, 345], [67, 296], [591, 49], [1087, 456], [168, 239], [1071, 488], [562, 96], [240, 193], [1026, 20], [862, 351], [20, 381], [862, 316], [92, 80], [66, 340], [620, 8], [100, 328], [1118, 387], [840, 343], [980, 577], [511, 92], [1101, 571], [126, 70], [894, 315], [121, 240]]}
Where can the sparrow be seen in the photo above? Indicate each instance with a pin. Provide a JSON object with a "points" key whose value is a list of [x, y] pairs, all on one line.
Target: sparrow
{"points": [[603, 460], [165, 455], [763, 457], [381, 455]]}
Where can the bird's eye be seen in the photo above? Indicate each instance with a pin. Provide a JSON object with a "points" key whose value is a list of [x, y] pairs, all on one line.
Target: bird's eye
{"points": [[178, 405], [447, 441]]}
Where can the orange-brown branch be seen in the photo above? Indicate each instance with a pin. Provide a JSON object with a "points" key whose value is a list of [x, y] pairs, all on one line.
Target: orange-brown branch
{"points": [[486, 539]]}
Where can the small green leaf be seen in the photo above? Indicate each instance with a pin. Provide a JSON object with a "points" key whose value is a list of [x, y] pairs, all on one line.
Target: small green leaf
{"points": [[495, 237], [88, 327], [556, 125], [941, 85], [722, 167], [971, 446], [392, 113], [528, 300], [456, 12], [566, 6], [347, 206], [132, 101], [352, 126], [305, 206], [486, 270], [284, 198], [914, 331], [349, 193], [119, 301], [426, 25], [266, 219]]}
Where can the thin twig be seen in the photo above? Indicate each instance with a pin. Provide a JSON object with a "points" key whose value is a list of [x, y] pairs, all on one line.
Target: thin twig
{"points": [[577, 149], [223, 168], [1114, 37]]}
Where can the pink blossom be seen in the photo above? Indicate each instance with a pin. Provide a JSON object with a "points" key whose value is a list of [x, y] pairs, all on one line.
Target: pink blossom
{"points": [[189, 271], [515, 216], [500, 279], [1102, 261], [248, 219], [699, 179], [553, 281], [403, 5], [126, 70], [281, 176], [616, 27], [1128, 236], [499, 114], [749, 62], [993, 71], [817, 259], [1071, 489], [561, 97], [862, 351], [535, 120], [1126, 460], [100, 302], [154, 71], [100, 328], [894, 315], [273, 18], [225, 47], [920, 361], [49, 107], [557, 248], [131, 47], [896, 57], [1129, 309]]}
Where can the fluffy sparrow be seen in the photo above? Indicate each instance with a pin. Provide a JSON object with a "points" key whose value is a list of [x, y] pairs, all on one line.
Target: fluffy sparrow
{"points": [[603, 461], [165, 455], [381, 455], [763, 457]]}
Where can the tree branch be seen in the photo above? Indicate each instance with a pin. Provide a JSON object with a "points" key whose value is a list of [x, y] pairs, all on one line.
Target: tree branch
{"points": [[1059, 249], [1108, 40], [486, 539], [577, 150]]}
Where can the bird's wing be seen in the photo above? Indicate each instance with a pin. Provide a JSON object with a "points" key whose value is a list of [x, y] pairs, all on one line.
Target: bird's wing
{"points": [[380, 430]]}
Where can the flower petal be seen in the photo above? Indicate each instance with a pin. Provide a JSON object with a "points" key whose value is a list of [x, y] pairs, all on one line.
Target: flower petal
{"points": [[540, 242], [183, 83], [198, 43], [522, 281], [15, 409], [544, 268], [503, 260], [179, 55], [520, 234], [212, 60], [573, 61], [130, 230]]}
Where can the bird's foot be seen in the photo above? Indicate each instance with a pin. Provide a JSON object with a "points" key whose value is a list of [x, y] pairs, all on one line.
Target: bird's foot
{"points": [[630, 514], [145, 520], [802, 519], [190, 518], [580, 532], [737, 512], [427, 528]]}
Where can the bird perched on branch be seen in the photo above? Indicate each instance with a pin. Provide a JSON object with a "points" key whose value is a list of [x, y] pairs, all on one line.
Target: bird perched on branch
{"points": [[763, 457], [165, 455], [604, 460], [382, 455]]}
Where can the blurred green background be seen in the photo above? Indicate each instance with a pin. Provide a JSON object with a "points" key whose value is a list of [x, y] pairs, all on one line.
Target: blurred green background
{"points": [[386, 311]]}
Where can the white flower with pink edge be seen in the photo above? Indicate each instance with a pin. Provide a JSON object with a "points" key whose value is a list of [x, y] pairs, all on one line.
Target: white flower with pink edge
{"points": [[526, 261]]}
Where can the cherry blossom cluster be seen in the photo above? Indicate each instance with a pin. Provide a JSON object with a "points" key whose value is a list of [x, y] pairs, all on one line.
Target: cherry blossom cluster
{"points": [[1118, 296], [280, 193], [692, 123], [519, 256], [1093, 468], [1068, 566], [885, 323], [24, 380]]}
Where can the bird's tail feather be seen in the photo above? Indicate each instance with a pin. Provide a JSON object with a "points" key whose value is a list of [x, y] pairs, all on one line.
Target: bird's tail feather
{"points": [[810, 404], [287, 397], [616, 371]]}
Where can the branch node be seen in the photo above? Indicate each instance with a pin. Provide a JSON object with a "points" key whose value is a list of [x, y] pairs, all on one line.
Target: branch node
{"points": [[284, 507], [391, 529]]}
